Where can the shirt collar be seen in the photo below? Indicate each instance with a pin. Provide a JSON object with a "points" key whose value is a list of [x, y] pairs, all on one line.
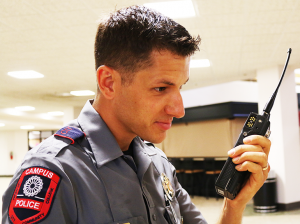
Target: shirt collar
{"points": [[103, 144]]}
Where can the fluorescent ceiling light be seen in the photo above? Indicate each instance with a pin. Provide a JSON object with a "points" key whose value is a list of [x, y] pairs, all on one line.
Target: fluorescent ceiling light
{"points": [[46, 116], [63, 94], [199, 63], [30, 74], [174, 9], [27, 127], [297, 89], [14, 112], [297, 79], [82, 93], [25, 108], [2, 124], [297, 71], [56, 113]]}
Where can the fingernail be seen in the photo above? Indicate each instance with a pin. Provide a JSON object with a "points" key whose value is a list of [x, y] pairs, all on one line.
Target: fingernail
{"points": [[247, 140], [236, 159], [238, 167], [231, 152]]}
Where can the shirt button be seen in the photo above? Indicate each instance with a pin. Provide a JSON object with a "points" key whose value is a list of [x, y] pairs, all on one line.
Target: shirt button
{"points": [[154, 217]]}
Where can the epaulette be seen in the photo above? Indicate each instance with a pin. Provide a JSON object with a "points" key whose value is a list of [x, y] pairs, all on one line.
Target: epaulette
{"points": [[70, 133]]}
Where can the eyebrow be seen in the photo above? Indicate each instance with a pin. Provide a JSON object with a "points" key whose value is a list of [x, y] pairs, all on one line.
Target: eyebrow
{"points": [[171, 83], [167, 83]]}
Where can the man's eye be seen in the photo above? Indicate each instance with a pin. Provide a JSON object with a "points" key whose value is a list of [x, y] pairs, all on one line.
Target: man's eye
{"points": [[160, 89]]}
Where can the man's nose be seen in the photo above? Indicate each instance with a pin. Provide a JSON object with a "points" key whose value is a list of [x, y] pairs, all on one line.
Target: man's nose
{"points": [[175, 106]]}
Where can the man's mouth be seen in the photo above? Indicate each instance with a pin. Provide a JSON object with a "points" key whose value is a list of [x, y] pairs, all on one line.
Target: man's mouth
{"points": [[165, 125]]}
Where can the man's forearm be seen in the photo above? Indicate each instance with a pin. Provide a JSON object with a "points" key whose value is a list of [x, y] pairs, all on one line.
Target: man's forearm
{"points": [[232, 213]]}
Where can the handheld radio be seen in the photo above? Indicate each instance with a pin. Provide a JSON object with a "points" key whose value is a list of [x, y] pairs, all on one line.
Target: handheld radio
{"points": [[230, 181]]}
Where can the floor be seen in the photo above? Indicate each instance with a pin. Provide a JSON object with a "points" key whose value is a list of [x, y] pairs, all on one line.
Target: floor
{"points": [[210, 207]]}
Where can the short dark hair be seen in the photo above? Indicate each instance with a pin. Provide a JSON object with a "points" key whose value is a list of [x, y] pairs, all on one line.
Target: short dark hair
{"points": [[127, 38]]}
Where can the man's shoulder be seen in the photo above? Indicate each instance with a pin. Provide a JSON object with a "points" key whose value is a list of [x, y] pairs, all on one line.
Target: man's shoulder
{"points": [[49, 158], [54, 144], [39, 178]]}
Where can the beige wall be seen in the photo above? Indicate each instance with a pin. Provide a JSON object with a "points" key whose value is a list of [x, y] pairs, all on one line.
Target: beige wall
{"points": [[15, 142], [211, 138]]}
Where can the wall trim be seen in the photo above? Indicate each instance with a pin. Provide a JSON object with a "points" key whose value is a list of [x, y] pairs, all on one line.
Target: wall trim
{"points": [[288, 207], [218, 111]]}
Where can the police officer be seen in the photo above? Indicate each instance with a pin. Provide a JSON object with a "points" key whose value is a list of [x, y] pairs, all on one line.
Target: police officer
{"points": [[99, 169]]}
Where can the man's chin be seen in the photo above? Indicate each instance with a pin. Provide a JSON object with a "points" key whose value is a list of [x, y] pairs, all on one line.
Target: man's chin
{"points": [[155, 139]]}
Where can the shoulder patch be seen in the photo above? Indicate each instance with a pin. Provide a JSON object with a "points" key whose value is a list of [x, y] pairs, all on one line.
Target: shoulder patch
{"points": [[69, 132], [33, 196]]}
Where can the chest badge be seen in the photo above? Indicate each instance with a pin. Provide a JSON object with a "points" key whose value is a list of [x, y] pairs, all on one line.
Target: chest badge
{"points": [[168, 189]]}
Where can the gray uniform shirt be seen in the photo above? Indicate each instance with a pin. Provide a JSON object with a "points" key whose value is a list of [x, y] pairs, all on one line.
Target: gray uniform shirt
{"points": [[98, 186]]}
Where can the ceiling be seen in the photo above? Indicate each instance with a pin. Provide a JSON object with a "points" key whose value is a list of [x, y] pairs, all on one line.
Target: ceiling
{"points": [[56, 37]]}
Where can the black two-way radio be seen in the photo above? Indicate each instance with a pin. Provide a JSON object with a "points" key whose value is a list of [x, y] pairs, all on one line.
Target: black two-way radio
{"points": [[230, 181]]}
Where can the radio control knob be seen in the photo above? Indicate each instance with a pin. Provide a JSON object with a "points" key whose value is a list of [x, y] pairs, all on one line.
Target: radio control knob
{"points": [[268, 133]]}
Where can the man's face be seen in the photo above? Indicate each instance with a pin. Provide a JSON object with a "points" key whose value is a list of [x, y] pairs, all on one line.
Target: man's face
{"points": [[146, 107]]}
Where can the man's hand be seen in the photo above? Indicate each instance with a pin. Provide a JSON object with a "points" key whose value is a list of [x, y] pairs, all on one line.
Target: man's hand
{"points": [[252, 156]]}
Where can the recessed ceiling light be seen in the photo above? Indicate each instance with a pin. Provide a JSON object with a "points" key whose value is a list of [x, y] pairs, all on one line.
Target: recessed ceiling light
{"points": [[25, 108], [27, 127], [30, 74], [56, 113], [2, 124], [199, 63], [174, 9], [297, 71], [82, 93]]}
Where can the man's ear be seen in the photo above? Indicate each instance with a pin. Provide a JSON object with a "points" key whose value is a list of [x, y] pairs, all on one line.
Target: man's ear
{"points": [[106, 78]]}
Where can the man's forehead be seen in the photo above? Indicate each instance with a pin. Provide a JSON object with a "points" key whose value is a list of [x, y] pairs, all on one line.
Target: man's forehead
{"points": [[165, 68]]}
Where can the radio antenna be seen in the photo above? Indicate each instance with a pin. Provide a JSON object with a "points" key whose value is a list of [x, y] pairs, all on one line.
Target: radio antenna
{"points": [[269, 105]]}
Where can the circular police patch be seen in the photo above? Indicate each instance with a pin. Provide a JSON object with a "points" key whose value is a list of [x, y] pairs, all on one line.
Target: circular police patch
{"points": [[33, 196], [33, 186]]}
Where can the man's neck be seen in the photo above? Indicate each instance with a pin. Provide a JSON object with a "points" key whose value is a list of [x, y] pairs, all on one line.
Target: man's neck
{"points": [[122, 137]]}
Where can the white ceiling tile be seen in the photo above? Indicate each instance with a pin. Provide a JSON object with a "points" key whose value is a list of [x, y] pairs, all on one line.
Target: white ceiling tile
{"points": [[56, 38], [48, 6]]}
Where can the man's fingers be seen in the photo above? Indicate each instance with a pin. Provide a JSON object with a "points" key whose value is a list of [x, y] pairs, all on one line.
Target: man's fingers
{"points": [[266, 167], [254, 168], [249, 166], [237, 151], [254, 143], [255, 157], [258, 140]]}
